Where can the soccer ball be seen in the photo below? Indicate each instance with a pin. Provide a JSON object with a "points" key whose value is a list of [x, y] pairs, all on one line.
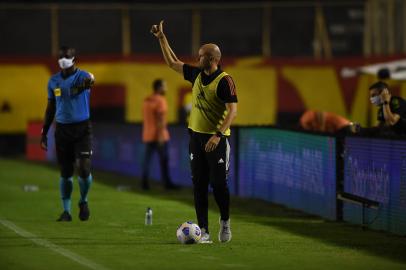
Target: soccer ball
{"points": [[188, 233]]}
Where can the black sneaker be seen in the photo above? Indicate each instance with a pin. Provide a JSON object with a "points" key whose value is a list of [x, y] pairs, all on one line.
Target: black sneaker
{"points": [[84, 212], [65, 216]]}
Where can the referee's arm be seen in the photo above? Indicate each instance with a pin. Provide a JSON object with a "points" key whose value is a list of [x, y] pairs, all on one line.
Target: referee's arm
{"points": [[48, 119], [170, 58]]}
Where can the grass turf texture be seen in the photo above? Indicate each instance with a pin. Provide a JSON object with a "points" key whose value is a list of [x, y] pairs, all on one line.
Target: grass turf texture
{"points": [[265, 236]]}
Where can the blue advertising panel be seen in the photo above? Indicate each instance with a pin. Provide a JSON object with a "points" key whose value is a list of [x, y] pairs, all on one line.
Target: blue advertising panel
{"points": [[290, 168], [119, 148], [376, 169]]}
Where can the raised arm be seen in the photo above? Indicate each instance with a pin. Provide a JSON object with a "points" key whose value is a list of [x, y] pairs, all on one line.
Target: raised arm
{"points": [[84, 84], [391, 118], [170, 58]]}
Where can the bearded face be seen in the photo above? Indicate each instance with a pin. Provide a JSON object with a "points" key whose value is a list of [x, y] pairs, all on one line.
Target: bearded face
{"points": [[204, 60]]}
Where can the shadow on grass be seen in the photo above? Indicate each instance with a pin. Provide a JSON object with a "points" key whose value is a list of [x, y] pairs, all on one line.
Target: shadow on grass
{"points": [[344, 235]]}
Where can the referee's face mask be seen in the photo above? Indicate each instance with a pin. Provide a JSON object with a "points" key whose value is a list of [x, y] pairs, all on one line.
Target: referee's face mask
{"points": [[65, 63], [66, 57]]}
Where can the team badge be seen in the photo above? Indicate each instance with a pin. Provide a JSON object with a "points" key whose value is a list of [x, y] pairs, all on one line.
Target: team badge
{"points": [[57, 92]]}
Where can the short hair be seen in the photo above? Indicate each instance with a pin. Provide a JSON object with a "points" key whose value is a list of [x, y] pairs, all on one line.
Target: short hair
{"points": [[378, 86], [157, 84], [65, 49]]}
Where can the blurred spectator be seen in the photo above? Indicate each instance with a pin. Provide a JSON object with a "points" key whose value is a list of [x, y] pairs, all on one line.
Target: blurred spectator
{"points": [[383, 74], [155, 133], [320, 121], [392, 109]]}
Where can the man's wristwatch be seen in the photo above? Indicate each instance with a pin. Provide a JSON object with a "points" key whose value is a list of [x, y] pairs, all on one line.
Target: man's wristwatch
{"points": [[220, 134], [385, 102]]}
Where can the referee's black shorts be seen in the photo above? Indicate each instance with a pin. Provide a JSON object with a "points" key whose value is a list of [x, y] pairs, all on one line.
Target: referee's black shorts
{"points": [[208, 167], [73, 141]]}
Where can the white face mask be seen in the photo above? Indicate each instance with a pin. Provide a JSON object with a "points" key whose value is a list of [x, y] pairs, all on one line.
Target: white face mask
{"points": [[376, 100], [65, 63]]}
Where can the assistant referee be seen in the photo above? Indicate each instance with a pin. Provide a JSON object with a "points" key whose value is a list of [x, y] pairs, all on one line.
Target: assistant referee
{"points": [[214, 107], [68, 103]]}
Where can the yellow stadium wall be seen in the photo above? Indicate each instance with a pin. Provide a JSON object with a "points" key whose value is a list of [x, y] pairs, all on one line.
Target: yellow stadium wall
{"points": [[258, 83]]}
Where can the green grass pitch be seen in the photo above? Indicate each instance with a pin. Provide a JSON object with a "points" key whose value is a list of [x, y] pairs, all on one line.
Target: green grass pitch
{"points": [[265, 236]]}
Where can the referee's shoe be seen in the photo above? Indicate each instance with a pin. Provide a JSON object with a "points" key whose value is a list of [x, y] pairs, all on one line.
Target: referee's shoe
{"points": [[65, 216], [84, 211], [225, 231]]}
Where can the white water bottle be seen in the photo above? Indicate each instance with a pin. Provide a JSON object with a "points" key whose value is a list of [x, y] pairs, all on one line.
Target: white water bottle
{"points": [[148, 216]]}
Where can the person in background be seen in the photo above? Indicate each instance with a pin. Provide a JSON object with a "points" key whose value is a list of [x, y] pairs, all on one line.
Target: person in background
{"points": [[320, 121], [391, 109], [155, 134]]}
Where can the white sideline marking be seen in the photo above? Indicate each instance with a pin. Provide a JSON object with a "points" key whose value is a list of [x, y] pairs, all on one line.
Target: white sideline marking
{"points": [[42, 242]]}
